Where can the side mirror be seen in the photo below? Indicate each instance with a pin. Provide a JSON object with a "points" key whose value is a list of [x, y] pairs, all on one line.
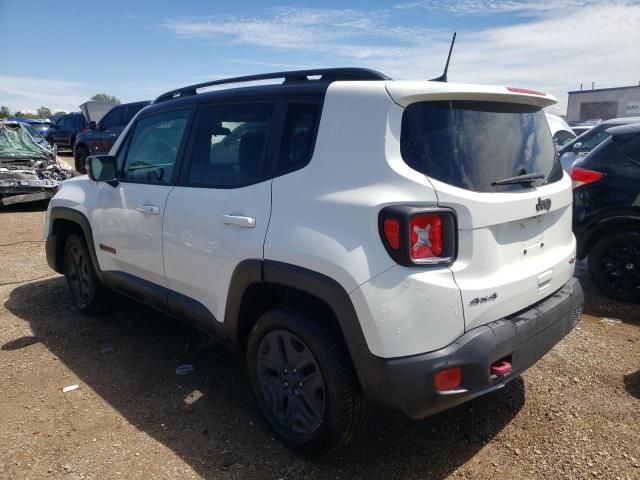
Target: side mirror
{"points": [[102, 168], [577, 146], [92, 125]]}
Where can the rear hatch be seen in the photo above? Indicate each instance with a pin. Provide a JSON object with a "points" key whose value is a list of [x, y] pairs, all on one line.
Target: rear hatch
{"points": [[515, 245]]}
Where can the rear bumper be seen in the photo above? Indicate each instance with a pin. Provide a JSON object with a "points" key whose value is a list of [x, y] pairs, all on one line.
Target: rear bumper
{"points": [[406, 384]]}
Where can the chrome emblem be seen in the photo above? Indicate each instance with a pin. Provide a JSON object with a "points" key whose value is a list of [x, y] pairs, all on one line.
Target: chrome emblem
{"points": [[479, 300], [543, 204]]}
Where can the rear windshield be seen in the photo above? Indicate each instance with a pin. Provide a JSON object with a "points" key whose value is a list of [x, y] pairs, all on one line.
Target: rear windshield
{"points": [[472, 144]]}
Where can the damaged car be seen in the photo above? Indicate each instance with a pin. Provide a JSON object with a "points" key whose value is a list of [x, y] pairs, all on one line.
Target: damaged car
{"points": [[28, 171]]}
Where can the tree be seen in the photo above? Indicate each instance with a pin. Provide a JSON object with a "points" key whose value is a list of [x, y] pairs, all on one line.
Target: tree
{"points": [[59, 113], [44, 112], [5, 112], [103, 97]]}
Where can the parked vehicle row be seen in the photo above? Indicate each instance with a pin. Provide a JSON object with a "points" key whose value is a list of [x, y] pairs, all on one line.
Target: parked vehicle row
{"points": [[583, 144], [606, 206], [360, 240]]}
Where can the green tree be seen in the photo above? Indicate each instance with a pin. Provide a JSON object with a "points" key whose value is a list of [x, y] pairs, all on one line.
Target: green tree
{"points": [[59, 113], [44, 112], [103, 97], [5, 112]]}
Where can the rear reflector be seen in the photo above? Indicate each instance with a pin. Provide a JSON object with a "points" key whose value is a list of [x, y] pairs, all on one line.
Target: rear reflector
{"points": [[583, 176], [525, 90], [425, 236], [448, 379], [392, 233]]}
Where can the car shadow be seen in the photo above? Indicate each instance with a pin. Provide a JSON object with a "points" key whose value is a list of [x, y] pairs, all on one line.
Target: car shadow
{"points": [[632, 384], [209, 418], [598, 305]]}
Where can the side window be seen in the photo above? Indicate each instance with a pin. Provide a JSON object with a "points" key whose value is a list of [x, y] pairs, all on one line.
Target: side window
{"points": [[230, 145], [65, 122], [131, 112], [153, 148], [595, 140], [113, 117], [298, 136]]}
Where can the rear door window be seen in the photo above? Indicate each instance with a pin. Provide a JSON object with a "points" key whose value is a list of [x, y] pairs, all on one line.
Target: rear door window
{"points": [[470, 144], [231, 145], [113, 118]]}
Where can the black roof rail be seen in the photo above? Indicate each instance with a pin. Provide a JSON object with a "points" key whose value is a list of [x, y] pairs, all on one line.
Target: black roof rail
{"points": [[325, 74]]}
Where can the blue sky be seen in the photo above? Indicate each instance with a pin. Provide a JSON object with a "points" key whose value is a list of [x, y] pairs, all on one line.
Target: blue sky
{"points": [[64, 51]]}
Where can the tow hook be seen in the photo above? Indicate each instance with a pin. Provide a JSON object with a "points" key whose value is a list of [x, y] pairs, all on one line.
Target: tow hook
{"points": [[501, 368]]}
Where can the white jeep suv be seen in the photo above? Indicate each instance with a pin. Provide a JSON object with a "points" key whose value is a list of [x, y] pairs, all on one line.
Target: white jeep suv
{"points": [[403, 243]]}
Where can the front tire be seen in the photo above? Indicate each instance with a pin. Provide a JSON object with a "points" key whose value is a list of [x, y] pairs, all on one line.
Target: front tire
{"points": [[81, 153], [88, 294], [304, 382], [614, 265]]}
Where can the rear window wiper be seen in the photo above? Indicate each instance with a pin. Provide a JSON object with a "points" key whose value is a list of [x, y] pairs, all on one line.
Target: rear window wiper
{"points": [[526, 178]]}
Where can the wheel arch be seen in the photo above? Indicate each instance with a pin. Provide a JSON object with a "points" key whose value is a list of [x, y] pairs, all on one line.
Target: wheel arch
{"points": [[605, 226], [65, 221]]}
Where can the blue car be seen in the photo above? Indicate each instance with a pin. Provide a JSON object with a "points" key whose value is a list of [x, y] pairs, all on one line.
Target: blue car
{"points": [[40, 124]]}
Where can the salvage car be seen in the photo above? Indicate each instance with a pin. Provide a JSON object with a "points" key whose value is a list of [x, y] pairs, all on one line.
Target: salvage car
{"points": [[28, 171]]}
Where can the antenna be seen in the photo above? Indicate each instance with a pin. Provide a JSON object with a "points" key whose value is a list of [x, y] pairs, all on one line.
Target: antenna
{"points": [[443, 77]]}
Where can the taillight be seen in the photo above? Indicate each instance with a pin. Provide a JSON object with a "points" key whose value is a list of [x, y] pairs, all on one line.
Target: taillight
{"points": [[525, 90], [415, 235], [582, 176], [426, 236], [392, 233]]}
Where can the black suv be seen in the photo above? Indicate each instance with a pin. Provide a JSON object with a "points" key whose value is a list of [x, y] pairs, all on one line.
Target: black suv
{"points": [[101, 136], [606, 212], [63, 133]]}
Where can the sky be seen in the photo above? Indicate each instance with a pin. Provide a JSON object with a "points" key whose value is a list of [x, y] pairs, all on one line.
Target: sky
{"points": [[58, 53]]}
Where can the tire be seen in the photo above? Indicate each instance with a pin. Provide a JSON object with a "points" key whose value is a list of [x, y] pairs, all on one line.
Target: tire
{"points": [[614, 265], [304, 382], [88, 294], [80, 154]]}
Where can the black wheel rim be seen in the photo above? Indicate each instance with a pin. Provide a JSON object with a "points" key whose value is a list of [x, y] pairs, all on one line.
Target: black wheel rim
{"points": [[620, 268], [78, 276], [291, 382]]}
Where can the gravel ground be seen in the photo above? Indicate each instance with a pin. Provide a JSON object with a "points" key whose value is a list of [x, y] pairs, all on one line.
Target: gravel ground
{"points": [[576, 414]]}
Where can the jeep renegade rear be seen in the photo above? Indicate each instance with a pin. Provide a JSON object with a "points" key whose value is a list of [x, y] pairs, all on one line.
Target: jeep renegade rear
{"points": [[361, 240]]}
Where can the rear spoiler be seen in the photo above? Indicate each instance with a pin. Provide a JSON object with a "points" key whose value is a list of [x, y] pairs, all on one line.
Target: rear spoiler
{"points": [[405, 93]]}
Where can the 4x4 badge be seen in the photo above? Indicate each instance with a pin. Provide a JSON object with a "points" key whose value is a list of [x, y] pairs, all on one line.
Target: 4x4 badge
{"points": [[486, 299], [543, 204]]}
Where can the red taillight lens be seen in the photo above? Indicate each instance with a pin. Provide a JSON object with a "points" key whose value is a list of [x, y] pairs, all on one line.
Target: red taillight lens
{"points": [[448, 379], [583, 176], [525, 90], [425, 236], [392, 233]]}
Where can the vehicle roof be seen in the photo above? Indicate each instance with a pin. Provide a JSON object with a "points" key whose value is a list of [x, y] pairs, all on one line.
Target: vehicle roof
{"points": [[301, 83], [624, 132], [620, 121]]}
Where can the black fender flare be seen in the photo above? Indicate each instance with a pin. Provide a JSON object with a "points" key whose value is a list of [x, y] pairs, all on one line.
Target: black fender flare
{"points": [[52, 247], [250, 272]]}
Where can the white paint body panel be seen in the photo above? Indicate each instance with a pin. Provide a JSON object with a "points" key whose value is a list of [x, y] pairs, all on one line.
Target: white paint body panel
{"points": [[201, 251]]}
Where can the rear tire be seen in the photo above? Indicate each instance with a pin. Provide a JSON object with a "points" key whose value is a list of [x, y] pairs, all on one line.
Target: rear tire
{"points": [[304, 382], [88, 294], [81, 153], [614, 265]]}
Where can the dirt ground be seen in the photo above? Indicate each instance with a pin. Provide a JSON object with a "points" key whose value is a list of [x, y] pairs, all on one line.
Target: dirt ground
{"points": [[576, 414]]}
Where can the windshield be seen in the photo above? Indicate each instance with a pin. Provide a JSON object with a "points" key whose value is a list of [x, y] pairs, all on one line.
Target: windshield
{"points": [[33, 132], [470, 144], [15, 142]]}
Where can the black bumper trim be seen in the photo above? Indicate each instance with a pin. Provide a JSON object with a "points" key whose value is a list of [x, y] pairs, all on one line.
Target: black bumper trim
{"points": [[406, 384]]}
